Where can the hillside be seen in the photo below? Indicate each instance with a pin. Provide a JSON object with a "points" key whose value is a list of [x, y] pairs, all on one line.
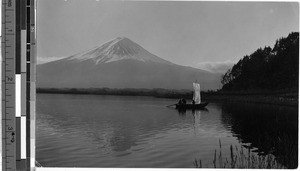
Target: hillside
{"points": [[269, 68]]}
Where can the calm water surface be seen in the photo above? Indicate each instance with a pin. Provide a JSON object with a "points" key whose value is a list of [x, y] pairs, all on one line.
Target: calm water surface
{"points": [[124, 131]]}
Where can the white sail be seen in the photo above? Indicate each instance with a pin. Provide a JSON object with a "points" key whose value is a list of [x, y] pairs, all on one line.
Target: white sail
{"points": [[197, 97]]}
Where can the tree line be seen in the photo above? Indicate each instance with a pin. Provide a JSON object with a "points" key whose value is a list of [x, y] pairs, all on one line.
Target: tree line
{"points": [[267, 68], [156, 92]]}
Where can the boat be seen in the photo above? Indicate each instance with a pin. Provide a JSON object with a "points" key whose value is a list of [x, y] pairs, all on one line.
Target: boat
{"points": [[196, 104], [192, 106]]}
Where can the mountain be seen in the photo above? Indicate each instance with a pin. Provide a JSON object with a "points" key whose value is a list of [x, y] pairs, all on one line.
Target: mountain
{"points": [[121, 63], [120, 48]]}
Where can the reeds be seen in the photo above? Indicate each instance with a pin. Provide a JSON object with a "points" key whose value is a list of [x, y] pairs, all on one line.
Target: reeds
{"points": [[239, 158]]}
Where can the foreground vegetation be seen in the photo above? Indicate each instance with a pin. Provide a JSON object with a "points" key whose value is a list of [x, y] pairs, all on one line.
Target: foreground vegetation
{"points": [[241, 159], [271, 129]]}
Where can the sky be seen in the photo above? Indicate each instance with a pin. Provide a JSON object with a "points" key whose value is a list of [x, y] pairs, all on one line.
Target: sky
{"points": [[210, 35]]}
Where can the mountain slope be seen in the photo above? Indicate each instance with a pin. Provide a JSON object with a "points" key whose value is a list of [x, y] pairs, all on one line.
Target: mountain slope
{"points": [[120, 63], [120, 48]]}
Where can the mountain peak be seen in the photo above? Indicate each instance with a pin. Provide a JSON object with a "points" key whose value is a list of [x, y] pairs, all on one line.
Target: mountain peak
{"points": [[120, 48], [122, 38]]}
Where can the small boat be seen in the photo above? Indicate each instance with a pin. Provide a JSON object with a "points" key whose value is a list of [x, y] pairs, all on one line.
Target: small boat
{"points": [[196, 104], [192, 106]]}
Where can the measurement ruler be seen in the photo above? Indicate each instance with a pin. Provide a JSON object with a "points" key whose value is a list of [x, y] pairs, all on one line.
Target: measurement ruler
{"points": [[18, 84]]}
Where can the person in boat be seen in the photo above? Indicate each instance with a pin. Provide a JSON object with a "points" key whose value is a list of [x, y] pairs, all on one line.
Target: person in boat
{"points": [[180, 101]]}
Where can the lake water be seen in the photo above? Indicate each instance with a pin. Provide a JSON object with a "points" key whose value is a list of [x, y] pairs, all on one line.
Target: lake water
{"points": [[125, 131]]}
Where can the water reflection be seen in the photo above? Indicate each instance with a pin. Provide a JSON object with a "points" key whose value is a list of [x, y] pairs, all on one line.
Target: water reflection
{"points": [[96, 122], [97, 131], [182, 113], [271, 129], [197, 119], [196, 113]]}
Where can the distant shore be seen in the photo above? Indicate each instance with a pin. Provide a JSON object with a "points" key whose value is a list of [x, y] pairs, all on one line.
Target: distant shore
{"points": [[282, 97], [276, 97], [157, 92]]}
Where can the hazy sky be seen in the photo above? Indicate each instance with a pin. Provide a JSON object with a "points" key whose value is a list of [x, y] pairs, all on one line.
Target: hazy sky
{"points": [[186, 33]]}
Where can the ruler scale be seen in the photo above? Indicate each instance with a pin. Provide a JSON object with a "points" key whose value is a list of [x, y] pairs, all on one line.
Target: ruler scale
{"points": [[18, 84], [8, 86]]}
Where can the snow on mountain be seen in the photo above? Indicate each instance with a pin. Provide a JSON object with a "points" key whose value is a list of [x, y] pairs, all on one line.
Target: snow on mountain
{"points": [[121, 63], [120, 48]]}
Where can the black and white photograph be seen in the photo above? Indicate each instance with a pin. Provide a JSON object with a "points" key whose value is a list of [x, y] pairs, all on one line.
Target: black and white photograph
{"points": [[167, 84]]}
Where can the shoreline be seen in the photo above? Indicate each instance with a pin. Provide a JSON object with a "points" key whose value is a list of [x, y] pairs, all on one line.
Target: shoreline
{"points": [[262, 99], [286, 98]]}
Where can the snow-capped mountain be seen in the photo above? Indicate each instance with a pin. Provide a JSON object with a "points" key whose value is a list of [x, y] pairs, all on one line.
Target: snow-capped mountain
{"points": [[118, 49], [120, 63]]}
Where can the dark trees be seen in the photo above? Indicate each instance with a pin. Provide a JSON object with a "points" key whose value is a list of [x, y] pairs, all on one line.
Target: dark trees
{"points": [[266, 68]]}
